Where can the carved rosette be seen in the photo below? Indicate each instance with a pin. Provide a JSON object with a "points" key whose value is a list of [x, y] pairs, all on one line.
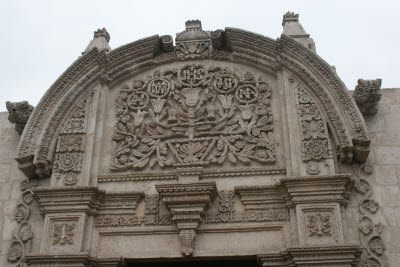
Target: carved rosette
{"points": [[315, 143], [193, 116], [70, 147], [187, 203], [22, 240]]}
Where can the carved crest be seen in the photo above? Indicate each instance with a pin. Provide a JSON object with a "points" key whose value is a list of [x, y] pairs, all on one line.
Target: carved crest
{"points": [[193, 116]]}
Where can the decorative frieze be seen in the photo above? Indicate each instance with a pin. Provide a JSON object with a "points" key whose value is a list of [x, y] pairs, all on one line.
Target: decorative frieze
{"points": [[167, 120], [70, 147], [314, 133], [267, 215]]}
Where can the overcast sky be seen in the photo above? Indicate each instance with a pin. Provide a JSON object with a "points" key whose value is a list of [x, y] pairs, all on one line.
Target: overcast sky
{"points": [[40, 39]]}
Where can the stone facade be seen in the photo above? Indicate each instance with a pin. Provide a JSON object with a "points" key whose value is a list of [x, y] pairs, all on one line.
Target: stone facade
{"points": [[225, 146]]}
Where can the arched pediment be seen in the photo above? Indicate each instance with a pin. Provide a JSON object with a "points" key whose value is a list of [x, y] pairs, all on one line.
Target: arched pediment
{"points": [[100, 69]]}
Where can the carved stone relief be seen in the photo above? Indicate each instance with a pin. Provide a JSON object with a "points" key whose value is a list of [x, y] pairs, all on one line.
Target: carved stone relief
{"points": [[22, 239], [19, 113], [63, 233], [70, 147], [370, 226], [193, 116], [314, 133], [367, 95]]}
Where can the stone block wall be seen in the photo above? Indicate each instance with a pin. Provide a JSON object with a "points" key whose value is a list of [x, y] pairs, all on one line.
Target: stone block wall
{"points": [[384, 131]]}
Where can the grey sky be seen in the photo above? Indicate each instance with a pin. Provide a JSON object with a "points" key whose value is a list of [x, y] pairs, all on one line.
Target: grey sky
{"points": [[40, 39]]}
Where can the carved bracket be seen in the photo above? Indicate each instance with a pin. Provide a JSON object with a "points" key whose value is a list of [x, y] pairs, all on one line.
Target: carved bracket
{"points": [[187, 203]]}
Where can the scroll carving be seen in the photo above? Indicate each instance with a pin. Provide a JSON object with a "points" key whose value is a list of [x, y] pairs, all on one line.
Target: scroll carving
{"points": [[193, 116], [22, 240], [70, 147], [314, 136], [369, 225]]}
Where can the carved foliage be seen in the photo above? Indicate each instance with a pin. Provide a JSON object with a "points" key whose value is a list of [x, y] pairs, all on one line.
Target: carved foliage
{"points": [[152, 204], [63, 233], [319, 224], [369, 224], [226, 201], [24, 233], [187, 241], [314, 136], [193, 116], [70, 147]]}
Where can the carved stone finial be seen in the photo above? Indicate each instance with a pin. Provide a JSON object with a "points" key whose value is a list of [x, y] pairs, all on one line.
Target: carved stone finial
{"points": [[290, 16], [293, 28], [100, 41], [193, 24], [19, 113], [367, 95]]}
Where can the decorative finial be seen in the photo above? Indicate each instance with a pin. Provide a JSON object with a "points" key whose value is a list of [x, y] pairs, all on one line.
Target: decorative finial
{"points": [[100, 41], [289, 16], [193, 24]]}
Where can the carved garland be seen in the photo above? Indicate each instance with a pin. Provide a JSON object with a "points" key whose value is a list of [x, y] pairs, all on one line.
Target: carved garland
{"points": [[70, 147], [369, 225], [314, 136], [193, 116], [22, 239]]}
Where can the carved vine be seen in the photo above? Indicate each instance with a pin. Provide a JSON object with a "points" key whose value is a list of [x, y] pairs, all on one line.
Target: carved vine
{"points": [[21, 242], [370, 226], [193, 116], [70, 147]]}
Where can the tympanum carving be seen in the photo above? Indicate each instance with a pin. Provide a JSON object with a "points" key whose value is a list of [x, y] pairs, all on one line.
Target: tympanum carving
{"points": [[193, 115]]}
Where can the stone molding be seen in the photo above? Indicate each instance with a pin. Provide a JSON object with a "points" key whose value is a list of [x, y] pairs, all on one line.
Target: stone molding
{"points": [[298, 190], [87, 199], [36, 146], [313, 256], [187, 203], [72, 260]]}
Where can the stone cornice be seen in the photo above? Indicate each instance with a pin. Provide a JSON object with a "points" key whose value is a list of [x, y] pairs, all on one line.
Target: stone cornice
{"points": [[298, 190], [88, 199]]}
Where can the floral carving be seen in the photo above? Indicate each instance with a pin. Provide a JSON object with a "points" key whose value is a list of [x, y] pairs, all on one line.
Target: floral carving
{"points": [[312, 168], [168, 121], [371, 205], [70, 178], [366, 225], [226, 201], [69, 162], [151, 204], [193, 42], [63, 233], [319, 224], [69, 143], [315, 142], [24, 234], [15, 252], [376, 245]]}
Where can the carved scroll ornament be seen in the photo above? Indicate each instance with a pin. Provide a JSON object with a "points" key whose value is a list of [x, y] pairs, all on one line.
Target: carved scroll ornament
{"points": [[193, 116]]}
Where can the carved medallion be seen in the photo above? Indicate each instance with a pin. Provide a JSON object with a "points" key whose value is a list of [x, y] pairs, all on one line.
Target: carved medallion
{"points": [[193, 116]]}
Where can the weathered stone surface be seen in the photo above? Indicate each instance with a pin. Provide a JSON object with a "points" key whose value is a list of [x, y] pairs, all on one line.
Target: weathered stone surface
{"points": [[225, 144]]}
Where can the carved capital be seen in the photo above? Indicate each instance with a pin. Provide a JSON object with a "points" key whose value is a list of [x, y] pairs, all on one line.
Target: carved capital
{"points": [[18, 113], [367, 95]]}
